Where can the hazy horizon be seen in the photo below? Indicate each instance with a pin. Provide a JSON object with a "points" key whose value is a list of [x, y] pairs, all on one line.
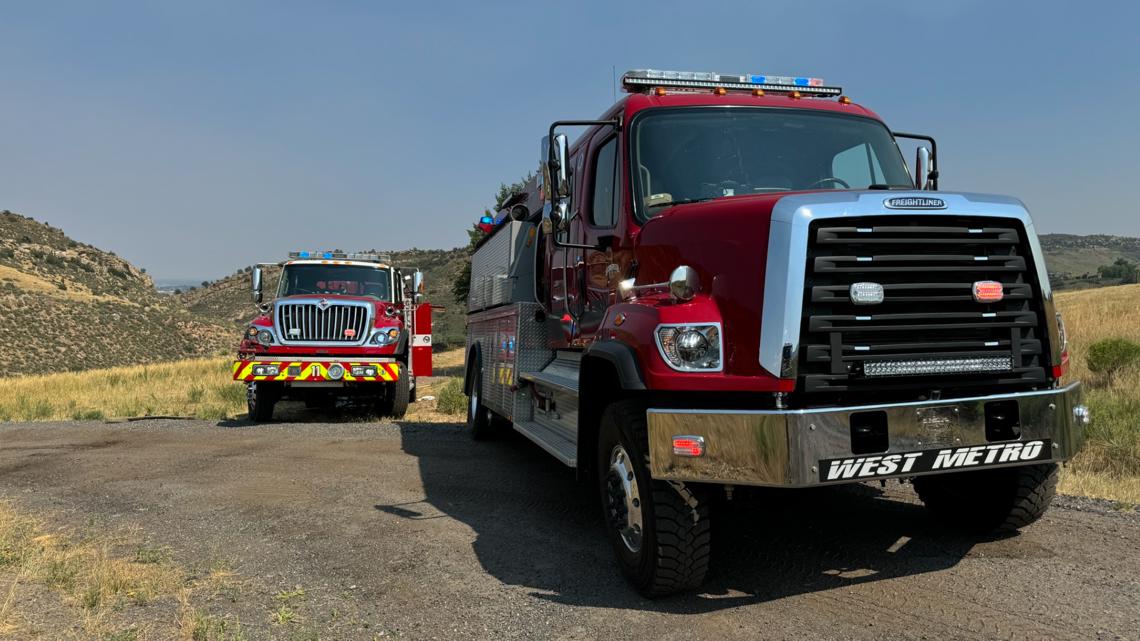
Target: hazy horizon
{"points": [[194, 139]]}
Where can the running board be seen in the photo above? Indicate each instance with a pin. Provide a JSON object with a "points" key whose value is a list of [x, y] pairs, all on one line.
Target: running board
{"points": [[551, 440]]}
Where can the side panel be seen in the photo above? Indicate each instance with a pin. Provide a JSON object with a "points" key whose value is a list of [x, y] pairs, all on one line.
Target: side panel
{"points": [[512, 343]]}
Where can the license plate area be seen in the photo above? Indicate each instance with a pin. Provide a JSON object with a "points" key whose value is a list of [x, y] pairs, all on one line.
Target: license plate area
{"points": [[938, 424]]}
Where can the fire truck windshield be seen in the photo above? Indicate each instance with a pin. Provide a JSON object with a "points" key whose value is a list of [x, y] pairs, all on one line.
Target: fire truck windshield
{"points": [[344, 280], [701, 153]]}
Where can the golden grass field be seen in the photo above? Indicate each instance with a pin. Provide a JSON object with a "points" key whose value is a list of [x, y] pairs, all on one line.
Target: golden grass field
{"points": [[1108, 467]]}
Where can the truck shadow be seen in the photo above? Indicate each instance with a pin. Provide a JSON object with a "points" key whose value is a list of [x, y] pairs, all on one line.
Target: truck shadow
{"points": [[538, 527]]}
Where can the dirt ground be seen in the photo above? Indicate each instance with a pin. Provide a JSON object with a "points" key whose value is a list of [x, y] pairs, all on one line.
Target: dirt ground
{"points": [[415, 531]]}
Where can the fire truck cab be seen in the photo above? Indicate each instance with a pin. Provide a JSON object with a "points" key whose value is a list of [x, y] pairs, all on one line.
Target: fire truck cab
{"points": [[341, 325], [736, 280]]}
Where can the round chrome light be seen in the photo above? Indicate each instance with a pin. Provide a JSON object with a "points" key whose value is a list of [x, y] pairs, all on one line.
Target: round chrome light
{"points": [[265, 337], [684, 283], [336, 372], [692, 345]]}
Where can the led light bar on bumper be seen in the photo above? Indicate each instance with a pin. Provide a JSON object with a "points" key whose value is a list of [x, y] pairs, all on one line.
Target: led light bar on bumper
{"points": [[938, 366], [637, 80]]}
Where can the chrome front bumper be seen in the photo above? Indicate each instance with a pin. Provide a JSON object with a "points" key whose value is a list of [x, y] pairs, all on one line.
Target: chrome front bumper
{"points": [[801, 448]]}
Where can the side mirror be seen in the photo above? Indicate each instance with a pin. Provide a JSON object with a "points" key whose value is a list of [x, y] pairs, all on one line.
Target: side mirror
{"points": [[418, 285], [256, 278], [555, 165], [923, 168]]}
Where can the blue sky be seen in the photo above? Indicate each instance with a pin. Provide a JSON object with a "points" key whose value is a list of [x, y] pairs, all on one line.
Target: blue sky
{"points": [[195, 138]]}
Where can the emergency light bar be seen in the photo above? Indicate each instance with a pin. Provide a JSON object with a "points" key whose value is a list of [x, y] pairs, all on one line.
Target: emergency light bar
{"points": [[327, 255], [639, 80]]}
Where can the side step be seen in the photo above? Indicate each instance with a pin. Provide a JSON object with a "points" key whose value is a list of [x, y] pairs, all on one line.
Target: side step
{"points": [[561, 375], [551, 440], [546, 408]]}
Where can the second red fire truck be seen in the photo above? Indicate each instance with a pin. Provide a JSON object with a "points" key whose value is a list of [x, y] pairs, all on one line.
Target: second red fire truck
{"points": [[736, 280], [342, 325]]}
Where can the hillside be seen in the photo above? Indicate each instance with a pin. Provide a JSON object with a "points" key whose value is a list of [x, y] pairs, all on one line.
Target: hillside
{"points": [[65, 306], [228, 299], [1073, 260]]}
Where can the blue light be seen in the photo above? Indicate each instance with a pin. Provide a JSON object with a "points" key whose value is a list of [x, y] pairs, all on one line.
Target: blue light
{"points": [[487, 220], [303, 254], [759, 79], [327, 255], [802, 82]]}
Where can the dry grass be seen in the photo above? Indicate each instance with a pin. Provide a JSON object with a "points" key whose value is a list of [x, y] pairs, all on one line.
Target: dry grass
{"points": [[54, 579], [1109, 465], [200, 387]]}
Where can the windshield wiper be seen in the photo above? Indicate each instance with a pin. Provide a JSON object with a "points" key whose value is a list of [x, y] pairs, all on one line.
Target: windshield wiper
{"points": [[885, 186], [686, 201]]}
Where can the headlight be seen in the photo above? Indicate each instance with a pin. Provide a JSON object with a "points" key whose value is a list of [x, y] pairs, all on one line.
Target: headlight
{"points": [[265, 337], [690, 348], [385, 336]]}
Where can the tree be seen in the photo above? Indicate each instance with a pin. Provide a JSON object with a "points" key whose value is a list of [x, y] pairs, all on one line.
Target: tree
{"points": [[460, 288], [1123, 270]]}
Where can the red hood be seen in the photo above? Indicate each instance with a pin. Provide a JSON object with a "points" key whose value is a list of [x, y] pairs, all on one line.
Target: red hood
{"points": [[726, 241]]}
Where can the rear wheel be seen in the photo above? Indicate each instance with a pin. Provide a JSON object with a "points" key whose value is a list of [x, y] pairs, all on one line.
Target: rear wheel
{"points": [[659, 529], [1001, 500], [260, 400], [480, 420]]}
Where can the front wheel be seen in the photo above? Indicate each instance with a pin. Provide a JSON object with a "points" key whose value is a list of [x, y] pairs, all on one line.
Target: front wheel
{"points": [[260, 400], [659, 529], [1000, 500], [394, 403]]}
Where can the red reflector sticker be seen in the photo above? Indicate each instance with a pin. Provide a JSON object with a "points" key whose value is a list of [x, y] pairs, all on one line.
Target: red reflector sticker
{"points": [[350, 332], [988, 291], [688, 445]]}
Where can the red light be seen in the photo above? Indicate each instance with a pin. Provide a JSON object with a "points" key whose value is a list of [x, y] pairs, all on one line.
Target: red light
{"points": [[688, 446], [988, 291], [1059, 370]]}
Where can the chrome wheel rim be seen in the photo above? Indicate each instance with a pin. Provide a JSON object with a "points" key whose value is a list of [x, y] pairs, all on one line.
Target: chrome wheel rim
{"points": [[623, 500], [472, 405]]}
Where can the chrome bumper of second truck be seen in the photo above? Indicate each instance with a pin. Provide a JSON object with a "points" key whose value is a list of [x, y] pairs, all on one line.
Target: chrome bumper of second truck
{"points": [[802, 448]]}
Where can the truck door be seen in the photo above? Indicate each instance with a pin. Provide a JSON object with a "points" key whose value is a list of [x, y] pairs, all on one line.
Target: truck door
{"points": [[593, 272], [564, 290]]}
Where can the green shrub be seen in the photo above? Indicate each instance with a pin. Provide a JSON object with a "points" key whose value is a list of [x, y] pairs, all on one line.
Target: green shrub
{"points": [[451, 399], [1111, 355], [87, 415]]}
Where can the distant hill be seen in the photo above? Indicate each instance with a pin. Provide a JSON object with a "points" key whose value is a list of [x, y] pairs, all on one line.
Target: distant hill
{"points": [[65, 305], [1073, 260], [228, 299]]}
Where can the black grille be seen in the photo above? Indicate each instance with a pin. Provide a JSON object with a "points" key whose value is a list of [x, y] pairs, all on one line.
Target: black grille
{"points": [[927, 268]]}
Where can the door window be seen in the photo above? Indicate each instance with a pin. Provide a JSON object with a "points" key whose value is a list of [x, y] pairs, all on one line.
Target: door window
{"points": [[604, 206]]}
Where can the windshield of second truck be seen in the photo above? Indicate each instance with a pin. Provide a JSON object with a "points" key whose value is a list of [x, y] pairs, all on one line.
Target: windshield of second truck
{"points": [[344, 280], [695, 154]]}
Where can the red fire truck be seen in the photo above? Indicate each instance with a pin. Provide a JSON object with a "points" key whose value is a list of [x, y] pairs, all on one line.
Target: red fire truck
{"points": [[736, 280], [342, 325]]}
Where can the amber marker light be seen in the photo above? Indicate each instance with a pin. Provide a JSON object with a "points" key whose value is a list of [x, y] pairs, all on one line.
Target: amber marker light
{"points": [[720, 91], [757, 92], [844, 100], [795, 95], [659, 91]]}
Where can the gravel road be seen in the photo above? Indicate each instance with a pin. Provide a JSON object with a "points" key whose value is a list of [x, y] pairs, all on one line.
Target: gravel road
{"points": [[415, 531]]}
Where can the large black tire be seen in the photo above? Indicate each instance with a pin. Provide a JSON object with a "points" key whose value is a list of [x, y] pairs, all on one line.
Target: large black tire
{"points": [[260, 400], [985, 501], [480, 420], [669, 552], [394, 402]]}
